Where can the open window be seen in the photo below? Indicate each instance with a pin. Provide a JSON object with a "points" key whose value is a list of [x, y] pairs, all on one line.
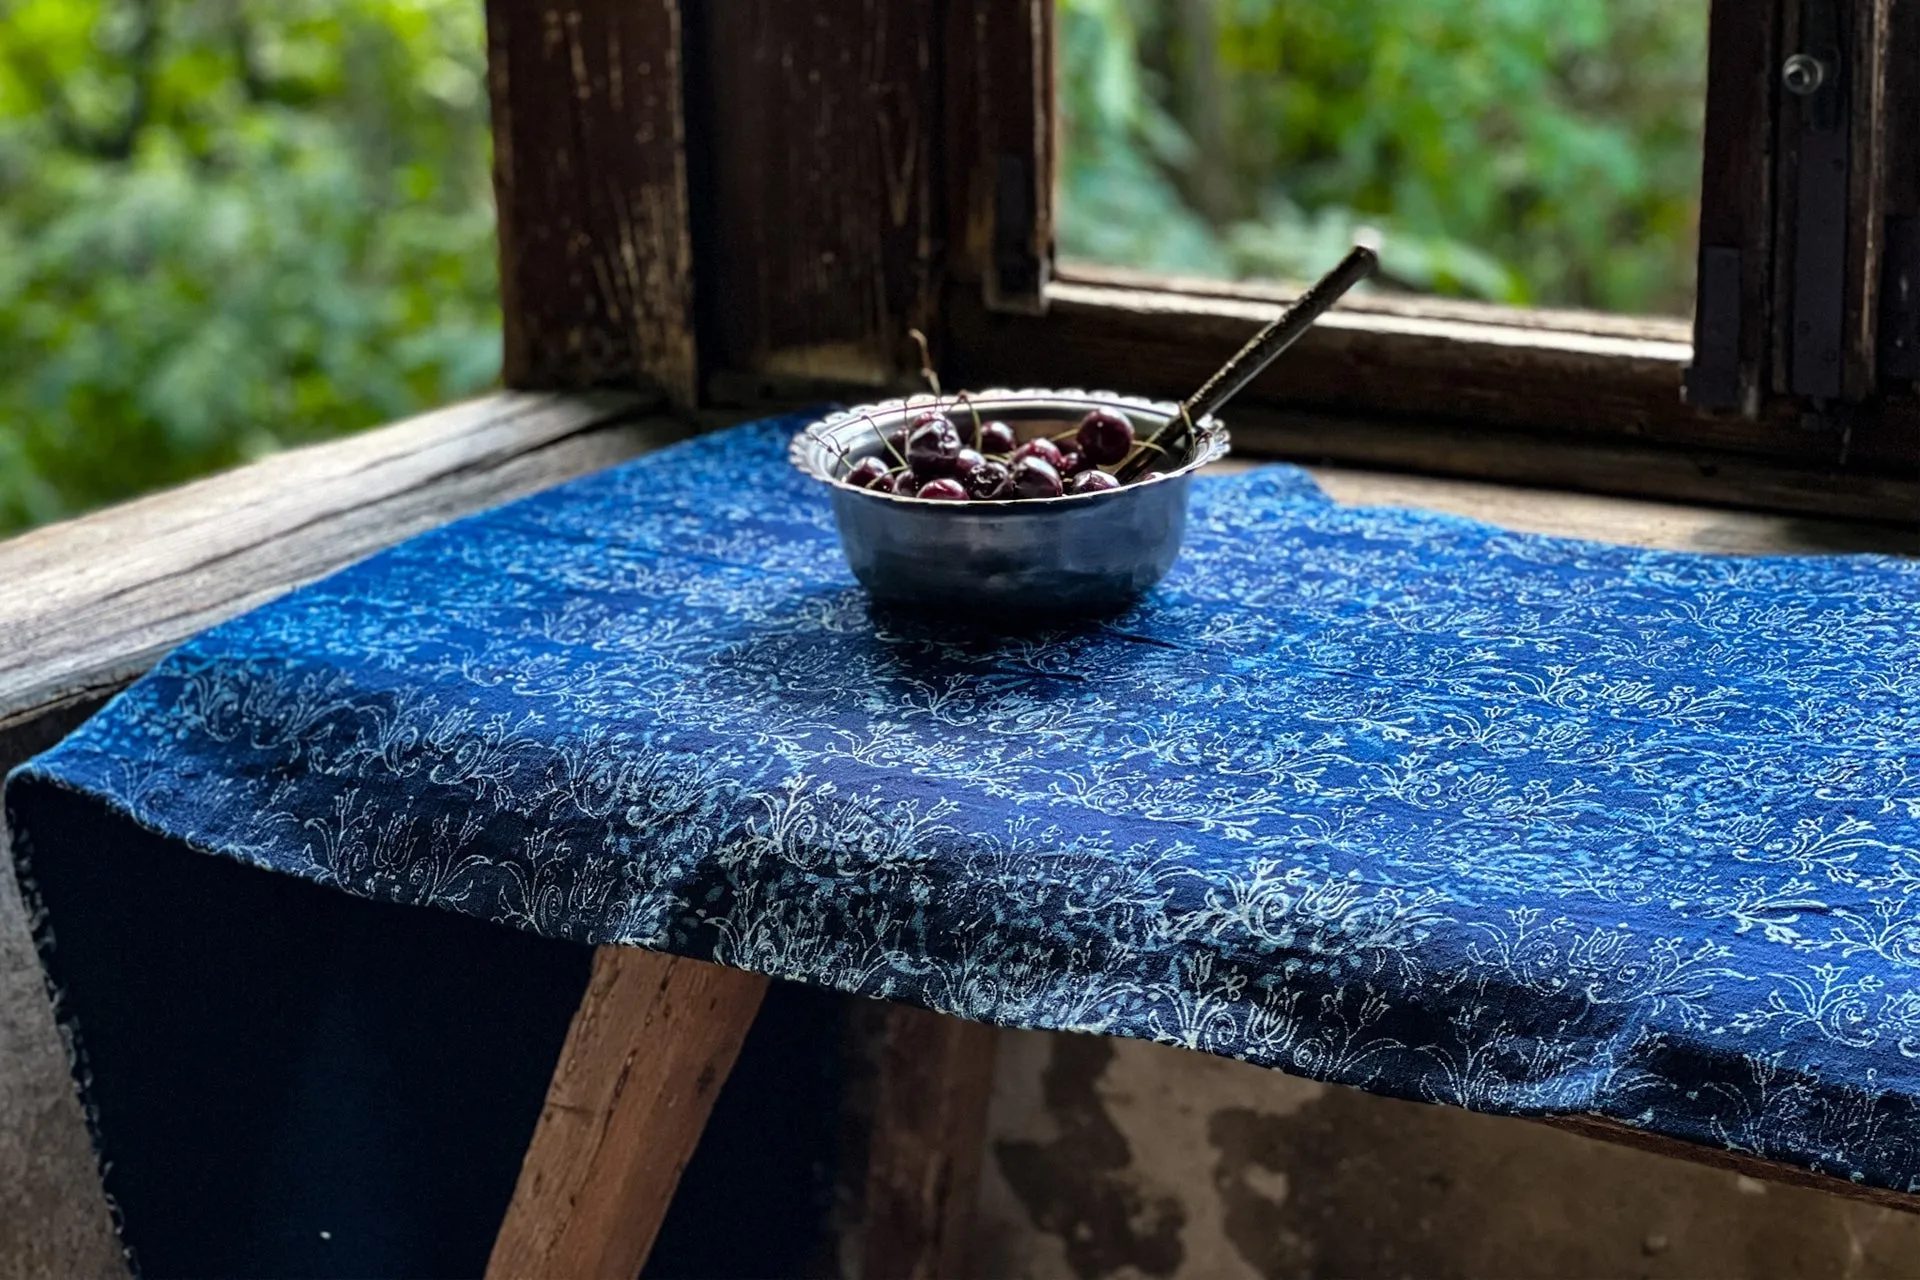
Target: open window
{"points": [[1798, 362], [857, 173]]}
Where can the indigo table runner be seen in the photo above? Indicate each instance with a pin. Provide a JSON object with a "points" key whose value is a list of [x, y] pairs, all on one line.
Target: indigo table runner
{"points": [[1385, 798]]}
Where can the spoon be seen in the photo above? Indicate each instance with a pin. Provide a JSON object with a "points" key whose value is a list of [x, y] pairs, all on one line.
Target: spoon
{"points": [[1265, 346]]}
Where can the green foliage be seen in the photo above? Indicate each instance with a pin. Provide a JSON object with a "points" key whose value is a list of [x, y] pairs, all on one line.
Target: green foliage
{"points": [[230, 225], [1526, 151]]}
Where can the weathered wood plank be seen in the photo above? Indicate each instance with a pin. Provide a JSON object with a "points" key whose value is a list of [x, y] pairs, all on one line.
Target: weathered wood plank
{"points": [[1627, 521], [821, 130], [1593, 465], [1563, 385], [88, 604], [1001, 130], [1871, 48], [1736, 185], [1600, 324], [1604, 1130], [929, 1131], [649, 1048], [590, 178]]}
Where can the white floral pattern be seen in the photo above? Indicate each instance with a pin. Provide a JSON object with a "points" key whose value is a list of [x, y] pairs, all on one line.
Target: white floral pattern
{"points": [[1386, 798]]}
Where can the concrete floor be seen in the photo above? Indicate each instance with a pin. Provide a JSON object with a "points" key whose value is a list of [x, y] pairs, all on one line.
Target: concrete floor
{"points": [[1113, 1158]]}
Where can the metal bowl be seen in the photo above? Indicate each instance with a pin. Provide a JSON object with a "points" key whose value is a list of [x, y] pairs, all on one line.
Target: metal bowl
{"points": [[1079, 553]]}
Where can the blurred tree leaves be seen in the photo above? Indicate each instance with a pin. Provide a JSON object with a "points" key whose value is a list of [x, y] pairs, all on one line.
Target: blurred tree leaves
{"points": [[1524, 151], [229, 225]]}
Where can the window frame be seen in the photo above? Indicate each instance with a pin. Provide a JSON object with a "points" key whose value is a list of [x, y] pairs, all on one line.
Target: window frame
{"points": [[795, 189]]}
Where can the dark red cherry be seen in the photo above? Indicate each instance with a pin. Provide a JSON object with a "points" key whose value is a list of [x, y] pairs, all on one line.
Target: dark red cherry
{"points": [[1104, 436], [1044, 449], [1073, 462], [964, 462], [1034, 477], [1092, 482], [945, 489], [904, 484], [997, 437], [867, 473], [933, 449], [991, 479]]}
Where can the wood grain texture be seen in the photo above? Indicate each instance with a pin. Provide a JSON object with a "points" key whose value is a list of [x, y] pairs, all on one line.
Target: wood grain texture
{"points": [[1562, 383], [929, 1131], [1621, 467], [1419, 307], [1627, 521], [1605, 1130], [1736, 181], [1871, 44], [590, 179], [649, 1048], [87, 605], [90, 603], [1002, 131], [822, 127]]}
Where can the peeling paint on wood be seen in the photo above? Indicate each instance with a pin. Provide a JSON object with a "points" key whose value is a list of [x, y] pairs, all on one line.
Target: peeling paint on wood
{"points": [[821, 121], [1123, 1159], [596, 257]]}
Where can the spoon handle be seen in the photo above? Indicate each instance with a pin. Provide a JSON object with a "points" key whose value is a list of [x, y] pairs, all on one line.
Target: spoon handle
{"points": [[1260, 351]]}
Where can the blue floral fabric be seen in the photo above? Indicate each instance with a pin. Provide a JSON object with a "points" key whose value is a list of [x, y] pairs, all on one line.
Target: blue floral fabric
{"points": [[1385, 798]]}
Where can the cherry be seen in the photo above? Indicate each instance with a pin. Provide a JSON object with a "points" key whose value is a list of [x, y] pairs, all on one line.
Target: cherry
{"points": [[1092, 482], [1035, 477], [933, 448], [904, 484], [897, 445], [965, 462], [1104, 436], [991, 479], [944, 489], [997, 437], [1043, 449], [1073, 462], [867, 473]]}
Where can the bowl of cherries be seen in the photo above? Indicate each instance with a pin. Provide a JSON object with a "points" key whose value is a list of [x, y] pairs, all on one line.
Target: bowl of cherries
{"points": [[1020, 502]]}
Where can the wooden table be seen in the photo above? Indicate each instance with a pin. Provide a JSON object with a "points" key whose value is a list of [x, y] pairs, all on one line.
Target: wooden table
{"points": [[96, 601], [623, 1116]]}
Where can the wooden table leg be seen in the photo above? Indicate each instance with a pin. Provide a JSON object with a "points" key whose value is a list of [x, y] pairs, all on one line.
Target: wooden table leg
{"points": [[649, 1048], [929, 1132]]}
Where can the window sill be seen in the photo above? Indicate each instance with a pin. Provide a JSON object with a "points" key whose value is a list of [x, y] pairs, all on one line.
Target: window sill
{"points": [[1566, 399], [93, 602]]}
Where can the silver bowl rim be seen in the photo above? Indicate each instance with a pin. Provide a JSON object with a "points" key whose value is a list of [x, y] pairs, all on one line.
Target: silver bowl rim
{"points": [[809, 448]]}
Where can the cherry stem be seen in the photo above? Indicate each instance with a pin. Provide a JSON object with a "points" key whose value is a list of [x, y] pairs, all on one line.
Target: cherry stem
{"points": [[884, 442], [961, 397], [926, 360]]}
